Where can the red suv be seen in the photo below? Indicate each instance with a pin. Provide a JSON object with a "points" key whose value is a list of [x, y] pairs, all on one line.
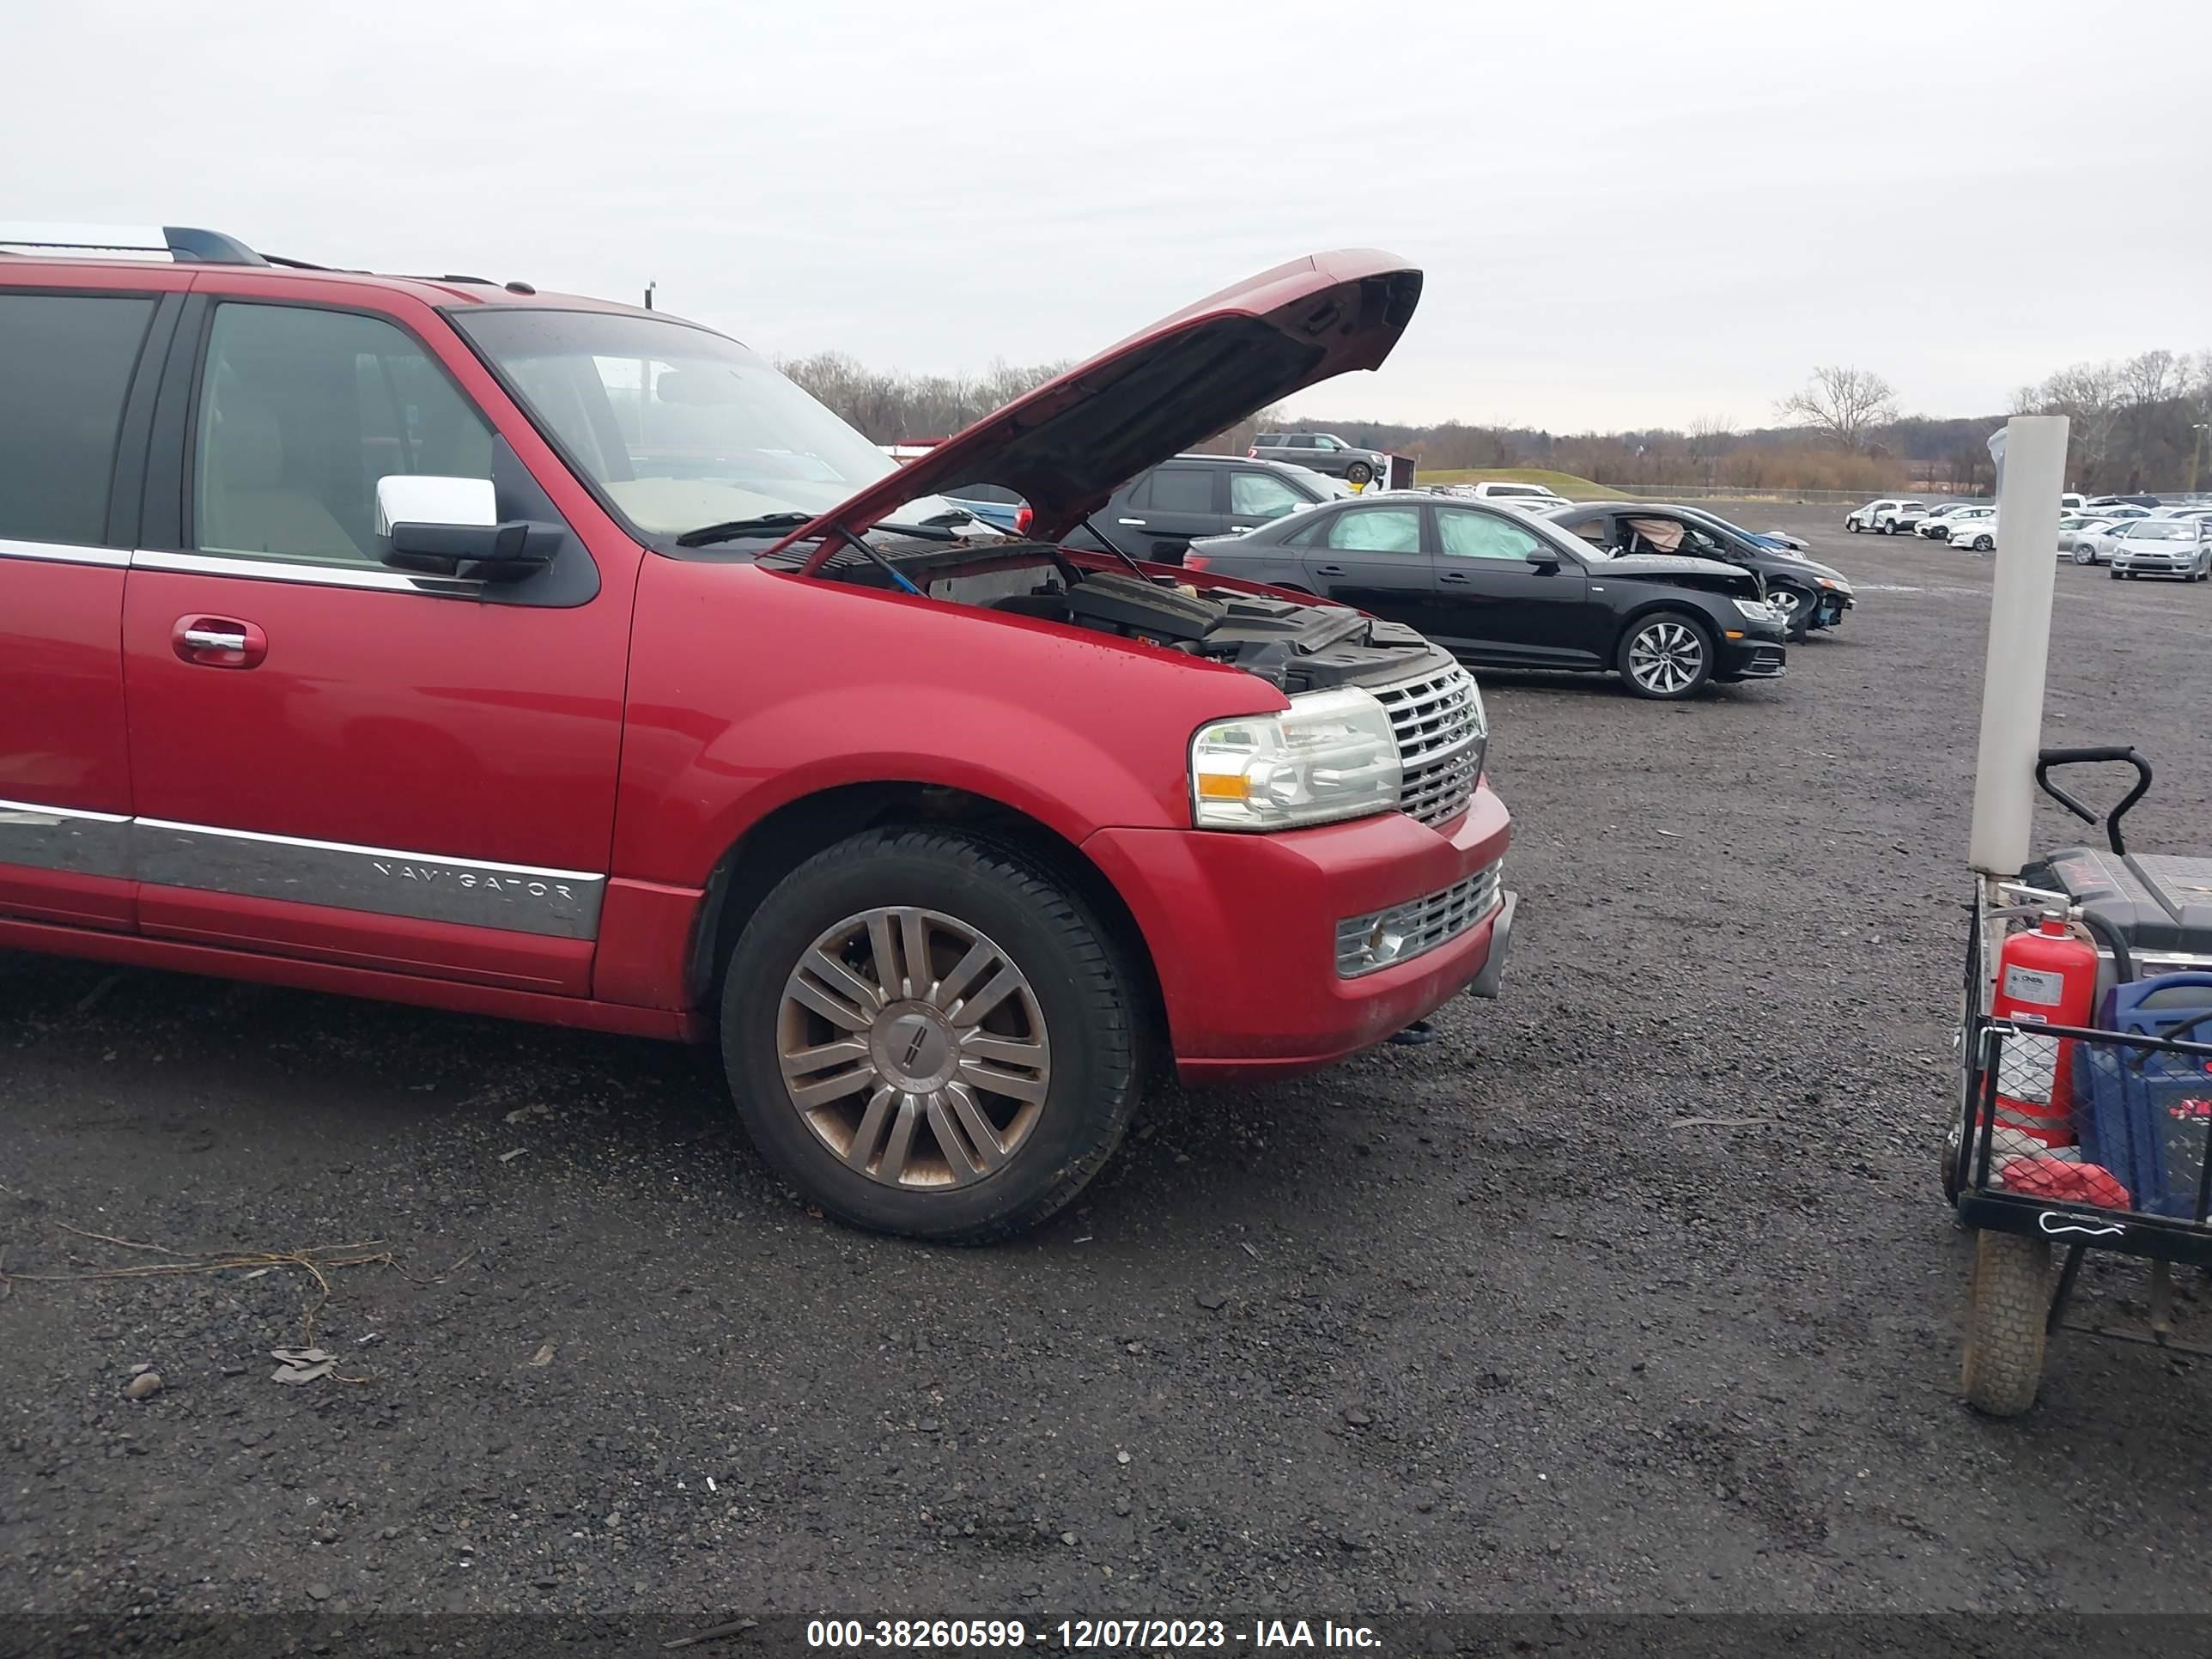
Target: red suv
{"points": [[428, 639]]}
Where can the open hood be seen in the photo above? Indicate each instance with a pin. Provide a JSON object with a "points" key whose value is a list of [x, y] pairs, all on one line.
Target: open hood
{"points": [[1066, 446]]}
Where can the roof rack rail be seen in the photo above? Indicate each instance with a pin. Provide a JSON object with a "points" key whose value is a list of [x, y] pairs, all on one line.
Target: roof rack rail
{"points": [[180, 244]]}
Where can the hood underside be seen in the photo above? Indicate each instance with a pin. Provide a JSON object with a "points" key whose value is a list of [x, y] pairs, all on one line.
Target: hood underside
{"points": [[1066, 446]]}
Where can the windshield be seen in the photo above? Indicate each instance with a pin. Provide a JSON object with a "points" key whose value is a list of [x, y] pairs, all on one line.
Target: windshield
{"points": [[677, 428], [2163, 530]]}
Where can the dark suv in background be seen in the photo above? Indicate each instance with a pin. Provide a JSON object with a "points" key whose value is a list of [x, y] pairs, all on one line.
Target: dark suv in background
{"points": [[1324, 452], [1157, 514]]}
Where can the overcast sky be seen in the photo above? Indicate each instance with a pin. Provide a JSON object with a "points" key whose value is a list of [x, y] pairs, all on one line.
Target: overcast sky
{"points": [[1628, 214]]}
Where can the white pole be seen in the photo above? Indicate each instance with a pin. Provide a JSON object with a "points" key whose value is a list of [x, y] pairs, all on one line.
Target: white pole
{"points": [[2031, 469]]}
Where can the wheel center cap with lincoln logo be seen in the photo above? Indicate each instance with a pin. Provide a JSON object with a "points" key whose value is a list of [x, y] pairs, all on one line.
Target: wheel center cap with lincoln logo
{"points": [[914, 1048]]}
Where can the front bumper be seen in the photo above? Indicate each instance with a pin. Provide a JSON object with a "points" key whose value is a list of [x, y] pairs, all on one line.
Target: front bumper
{"points": [[2137, 564], [1243, 932], [1751, 658]]}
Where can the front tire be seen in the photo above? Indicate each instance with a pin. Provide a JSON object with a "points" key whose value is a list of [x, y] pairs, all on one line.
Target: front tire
{"points": [[1666, 656], [927, 1033], [2008, 1306], [1799, 608], [1851, 525], [1984, 544], [2083, 556], [1359, 473]]}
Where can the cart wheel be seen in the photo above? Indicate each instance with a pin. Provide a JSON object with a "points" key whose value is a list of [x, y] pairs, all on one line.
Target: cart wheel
{"points": [[2008, 1301]]}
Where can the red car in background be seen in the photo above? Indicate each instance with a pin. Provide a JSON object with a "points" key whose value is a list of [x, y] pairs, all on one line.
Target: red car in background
{"points": [[522, 655]]}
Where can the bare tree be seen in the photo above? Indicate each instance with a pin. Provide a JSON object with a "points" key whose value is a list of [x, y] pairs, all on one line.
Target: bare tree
{"points": [[2090, 396], [2196, 399], [1845, 404], [1711, 437], [2151, 377]]}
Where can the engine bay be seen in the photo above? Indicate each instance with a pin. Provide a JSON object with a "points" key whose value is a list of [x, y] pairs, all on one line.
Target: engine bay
{"points": [[1296, 646]]}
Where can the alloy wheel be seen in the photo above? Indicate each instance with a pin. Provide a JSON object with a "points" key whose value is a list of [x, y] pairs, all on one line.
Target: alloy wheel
{"points": [[914, 1048], [1666, 658]]}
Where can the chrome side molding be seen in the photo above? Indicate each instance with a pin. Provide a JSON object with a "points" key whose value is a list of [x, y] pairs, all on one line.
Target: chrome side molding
{"points": [[517, 898]]}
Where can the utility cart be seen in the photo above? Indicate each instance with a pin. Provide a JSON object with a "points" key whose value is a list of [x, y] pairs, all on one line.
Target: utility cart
{"points": [[2085, 1110], [2084, 1098]]}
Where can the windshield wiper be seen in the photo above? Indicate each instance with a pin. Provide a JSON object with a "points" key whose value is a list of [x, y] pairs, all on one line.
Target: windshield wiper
{"points": [[766, 523]]}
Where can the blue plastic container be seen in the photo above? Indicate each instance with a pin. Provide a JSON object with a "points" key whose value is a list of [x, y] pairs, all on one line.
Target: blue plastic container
{"points": [[2143, 1114]]}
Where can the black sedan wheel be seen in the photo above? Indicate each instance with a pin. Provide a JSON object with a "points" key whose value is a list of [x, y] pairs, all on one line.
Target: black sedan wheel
{"points": [[1666, 655], [1359, 473], [1798, 609]]}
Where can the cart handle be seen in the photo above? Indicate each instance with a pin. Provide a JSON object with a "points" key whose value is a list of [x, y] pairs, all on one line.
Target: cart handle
{"points": [[2050, 757]]}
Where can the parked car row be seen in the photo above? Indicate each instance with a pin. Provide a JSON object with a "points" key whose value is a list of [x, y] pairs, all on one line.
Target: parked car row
{"points": [[2136, 536], [1500, 586]]}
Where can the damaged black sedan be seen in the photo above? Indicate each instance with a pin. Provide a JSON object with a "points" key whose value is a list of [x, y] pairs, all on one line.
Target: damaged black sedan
{"points": [[1502, 589]]}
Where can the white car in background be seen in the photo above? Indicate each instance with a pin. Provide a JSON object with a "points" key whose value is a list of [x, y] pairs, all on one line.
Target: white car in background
{"points": [[2163, 547], [1534, 496], [1882, 516], [1966, 526], [2077, 536], [1938, 525]]}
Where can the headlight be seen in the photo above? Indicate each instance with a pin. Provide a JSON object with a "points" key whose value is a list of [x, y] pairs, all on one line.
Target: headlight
{"points": [[1756, 609], [1830, 582], [1331, 754]]}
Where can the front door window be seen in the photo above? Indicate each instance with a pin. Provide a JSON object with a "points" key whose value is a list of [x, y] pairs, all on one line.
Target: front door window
{"points": [[301, 411]]}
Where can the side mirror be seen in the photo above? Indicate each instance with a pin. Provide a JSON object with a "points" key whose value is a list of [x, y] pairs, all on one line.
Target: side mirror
{"points": [[1543, 558], [450, 527]]}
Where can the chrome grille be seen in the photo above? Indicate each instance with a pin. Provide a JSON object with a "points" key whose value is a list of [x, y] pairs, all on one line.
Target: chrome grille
{"points": [[1438, 725], [1387, 937]]}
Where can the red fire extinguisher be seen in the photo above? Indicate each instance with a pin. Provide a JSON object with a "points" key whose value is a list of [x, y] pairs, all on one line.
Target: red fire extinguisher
{"points": [[2046, 976]]}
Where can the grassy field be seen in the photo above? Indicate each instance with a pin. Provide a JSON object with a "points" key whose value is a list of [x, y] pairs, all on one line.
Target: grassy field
{"points": [[1559, 483]]}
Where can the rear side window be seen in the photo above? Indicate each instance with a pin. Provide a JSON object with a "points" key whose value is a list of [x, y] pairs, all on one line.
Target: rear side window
{"points": [[301, 411], [68, 361], [1182, 490]]}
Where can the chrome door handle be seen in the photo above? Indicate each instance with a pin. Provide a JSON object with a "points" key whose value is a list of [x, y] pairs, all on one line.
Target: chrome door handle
{"points": [[1240, 528], [208, 639], [1140, 523]]}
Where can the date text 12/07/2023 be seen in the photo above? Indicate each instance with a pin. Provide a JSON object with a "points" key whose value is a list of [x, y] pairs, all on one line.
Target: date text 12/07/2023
{"points": [[1077, 1635]]}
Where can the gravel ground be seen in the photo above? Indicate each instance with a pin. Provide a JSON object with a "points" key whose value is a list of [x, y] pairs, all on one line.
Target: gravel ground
{"points": [[1478, 1325]]}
